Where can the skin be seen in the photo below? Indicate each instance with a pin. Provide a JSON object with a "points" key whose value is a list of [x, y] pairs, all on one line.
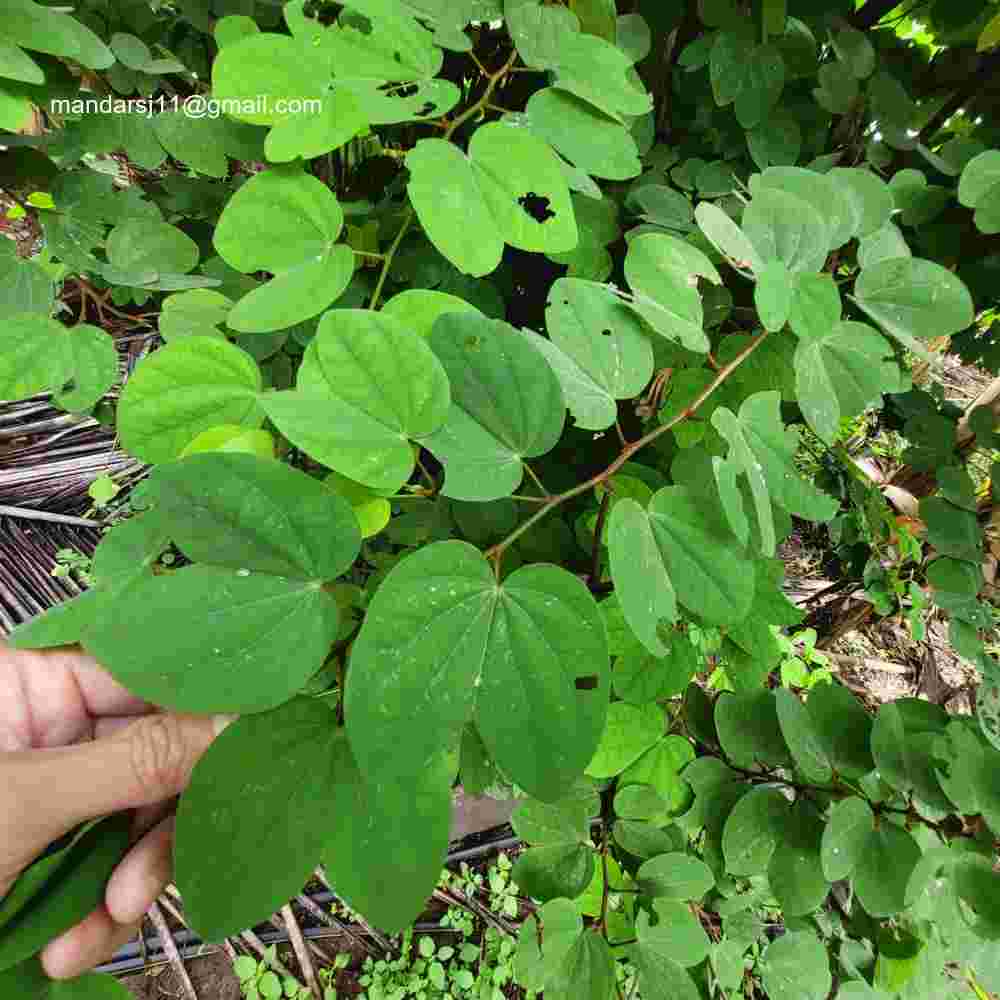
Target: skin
{"points": [[75, 745]]}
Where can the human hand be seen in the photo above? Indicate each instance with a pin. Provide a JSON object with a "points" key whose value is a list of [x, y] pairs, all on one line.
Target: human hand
{"points": [[75, 745]]}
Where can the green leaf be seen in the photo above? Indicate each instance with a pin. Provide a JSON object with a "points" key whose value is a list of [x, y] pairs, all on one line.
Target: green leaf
{"points": [[205, 144], [729, 63], [29, 980], [765, 449], [563, 925], [776, 141], [210, 639], [663, 273], [506, 405], [257, 814], [796, 967], [855, 50], [979, 176], [481, 645], [846, 837], [841, 374], [951, 530], [914, 299], [25, 286], [590, 140], [803, 743], [366, 386], [660, 768], [286, 222], [385, 849], [763, 83], [419, 308], [567, 820], [883, 870], [144, 246], [41, 29], [183, 389], [70, 894], [844, 729], [727, 237], [676, 878], [198, 312], [884, 244], [782, 227], [628, 733], [597, 349], [749, 729], [660, 977], [753, 830], [78, 363], [902, 743], [640, 677], [586, 973], [868, 195], [815, 306], [469, 210], [773, 295], [240, 511], [555, 871]]}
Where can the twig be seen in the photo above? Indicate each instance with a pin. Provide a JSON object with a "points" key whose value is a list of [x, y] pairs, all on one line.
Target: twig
{"points": [[323, 917], [595, 559], [301, 951], [497, 550], [170, 948], [378, 938], [869, 662], [41, 515], [259, 947], [453, 897], [390, 253]]}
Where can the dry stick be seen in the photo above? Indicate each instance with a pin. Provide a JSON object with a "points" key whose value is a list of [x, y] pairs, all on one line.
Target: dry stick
{"points": [[301, 951], [321, 953], [27, 514], [170, 948], [497, 550], [870, 663], [378, 938], [323, 917], [259, 947], [453, 897]]}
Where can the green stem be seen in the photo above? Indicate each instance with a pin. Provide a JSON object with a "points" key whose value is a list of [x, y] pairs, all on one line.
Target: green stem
{"points": [[387, 263], [497, 550]]}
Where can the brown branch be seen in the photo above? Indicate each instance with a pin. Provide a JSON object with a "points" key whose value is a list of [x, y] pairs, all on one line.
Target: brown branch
{"points": [[155, 914], [318, 913], [301, 951]]}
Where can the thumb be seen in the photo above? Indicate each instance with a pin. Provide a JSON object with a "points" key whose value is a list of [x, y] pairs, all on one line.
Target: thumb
{"points": [[48, 792]]}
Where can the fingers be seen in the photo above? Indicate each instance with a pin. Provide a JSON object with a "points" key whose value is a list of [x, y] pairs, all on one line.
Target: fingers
{"points": [[142, 875], [89, 943], [47, 792]]}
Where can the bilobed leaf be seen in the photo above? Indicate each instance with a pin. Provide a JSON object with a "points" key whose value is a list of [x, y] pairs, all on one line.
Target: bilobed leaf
{"points": [[781, 226], [794, 873], [660, 768], [240, 511], [869, 197], [762, 85], [366, 385], [844, 729], [979, 176], [629, 731], [183, 389], [753, 830], [284, 221], [199, 311], [587, 972], [830, 201], [562, 928], [841, 374], [419, 308], [597, 349], [846, 837], [914, 299], [883, 244], [675, 877], [641, 677], [663, 273], [660, 977], [481, 643], [555, 871], [269, 785], [506, 405]]}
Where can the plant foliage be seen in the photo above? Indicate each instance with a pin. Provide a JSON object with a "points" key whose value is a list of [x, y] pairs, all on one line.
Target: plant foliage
{"points": [[492, 337]]}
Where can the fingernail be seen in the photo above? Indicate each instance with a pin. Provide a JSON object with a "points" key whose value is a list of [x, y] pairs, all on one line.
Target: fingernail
{"points": [[220, 722]]}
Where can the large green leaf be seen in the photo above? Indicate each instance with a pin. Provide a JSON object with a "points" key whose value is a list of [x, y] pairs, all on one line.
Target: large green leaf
{"points": [[846, 836], [37, 354], [753, 830], [749, 729], [728, 238], [831, 202], [663, 273], [69, 895], [781, 226], [526, 658], [629, 731], [187, 387], [675, 877], [979, 176], [284, 221], [257, 814], [596, 347], [593, 142], [469, 207], [660, 769], [883, 870], [367, 384], [212, 639], [843, 728], [796, 967], [25, 286], [868, 196], [240, 511], [841, 374], [41, 29], [799, 733], [506, 405], [914, 299]]}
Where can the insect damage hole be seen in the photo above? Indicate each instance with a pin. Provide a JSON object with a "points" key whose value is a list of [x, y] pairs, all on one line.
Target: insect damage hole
{"points": [[587, 683], [537, 206]]}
